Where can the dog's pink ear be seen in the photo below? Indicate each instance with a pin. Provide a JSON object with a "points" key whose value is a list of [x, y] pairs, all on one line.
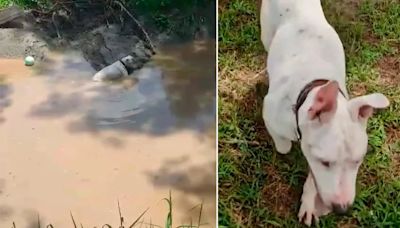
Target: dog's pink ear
{"points": [[361, 108], [325, 102]]}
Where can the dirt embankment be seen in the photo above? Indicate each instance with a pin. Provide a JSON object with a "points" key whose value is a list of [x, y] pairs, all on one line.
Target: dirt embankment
{"points": [[101, 43], [103, 34]]}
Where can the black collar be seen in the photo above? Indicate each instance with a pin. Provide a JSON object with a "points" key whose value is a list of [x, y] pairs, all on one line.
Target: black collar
{"points": [[303, 96], [128, 69]]}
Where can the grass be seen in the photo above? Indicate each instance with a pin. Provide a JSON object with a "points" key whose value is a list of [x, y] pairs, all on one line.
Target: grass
{"points": [[178, 17], [4, 3], [24, 3], [260, 188], [139, 221]]}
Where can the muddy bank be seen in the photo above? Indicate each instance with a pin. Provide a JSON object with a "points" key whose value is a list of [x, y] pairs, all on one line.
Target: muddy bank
{"points": [[100, 46], [104, 34], [18, 43]]}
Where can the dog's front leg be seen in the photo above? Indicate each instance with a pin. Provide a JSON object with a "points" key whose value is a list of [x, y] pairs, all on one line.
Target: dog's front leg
{"points": [[311, 204], [282, 145]]}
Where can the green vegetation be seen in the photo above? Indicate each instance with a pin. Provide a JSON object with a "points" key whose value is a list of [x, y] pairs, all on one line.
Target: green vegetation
{"points": [[26, 3], [139, 221], [174, 17], [4, 3], [260, 188]]}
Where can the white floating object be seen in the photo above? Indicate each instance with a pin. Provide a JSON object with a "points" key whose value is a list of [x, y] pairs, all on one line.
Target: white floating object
{"points": [[29, 61]]}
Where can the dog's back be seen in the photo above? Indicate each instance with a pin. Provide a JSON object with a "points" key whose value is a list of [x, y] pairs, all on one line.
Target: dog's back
{"points": [[274, 13], [300, 43]]}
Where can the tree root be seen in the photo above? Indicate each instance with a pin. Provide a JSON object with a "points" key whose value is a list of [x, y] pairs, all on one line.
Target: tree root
{"points": [[139, 25]]}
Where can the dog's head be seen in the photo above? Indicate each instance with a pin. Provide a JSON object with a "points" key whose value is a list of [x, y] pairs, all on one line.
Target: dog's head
{"points": [[335, 140]]}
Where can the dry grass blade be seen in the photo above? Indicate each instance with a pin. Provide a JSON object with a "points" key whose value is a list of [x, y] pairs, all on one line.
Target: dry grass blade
{"points": [[201, 212], [121, 219], [137, 220], [73, 220], [38, 220]]}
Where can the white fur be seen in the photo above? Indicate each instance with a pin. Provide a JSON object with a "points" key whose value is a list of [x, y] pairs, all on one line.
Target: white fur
{"points": [[113, 71], [302, 47]]}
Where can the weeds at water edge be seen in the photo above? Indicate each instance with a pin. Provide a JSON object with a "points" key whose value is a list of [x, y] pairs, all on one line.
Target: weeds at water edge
{"points": [[139, 221]]}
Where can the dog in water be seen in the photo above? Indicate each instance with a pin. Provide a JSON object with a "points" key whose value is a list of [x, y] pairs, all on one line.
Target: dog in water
{"points": [[118, 69], [307, 101]]}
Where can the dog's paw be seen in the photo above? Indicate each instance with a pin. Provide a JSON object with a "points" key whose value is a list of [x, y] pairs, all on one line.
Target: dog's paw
{"points": [[307, 212], [282, 145]]}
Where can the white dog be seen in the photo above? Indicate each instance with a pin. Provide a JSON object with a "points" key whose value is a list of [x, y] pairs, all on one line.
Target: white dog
{"points": [[116, 70], [307, 100]]}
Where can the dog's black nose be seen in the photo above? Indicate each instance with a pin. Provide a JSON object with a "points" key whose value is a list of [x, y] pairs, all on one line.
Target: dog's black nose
{"points": [[340, 209]]}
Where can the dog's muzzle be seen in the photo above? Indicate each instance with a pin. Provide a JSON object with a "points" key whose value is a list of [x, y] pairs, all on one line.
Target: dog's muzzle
{"points": [[340, 209]]}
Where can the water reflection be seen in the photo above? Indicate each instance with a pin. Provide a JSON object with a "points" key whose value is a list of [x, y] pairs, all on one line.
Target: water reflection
{"points": [[66, 136], [168, 95], [5, 92]]}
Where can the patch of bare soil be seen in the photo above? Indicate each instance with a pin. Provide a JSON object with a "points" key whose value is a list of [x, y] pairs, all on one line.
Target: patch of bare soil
{"points": [[279, 196], [370, 37], [396, 163], [352, 223], [358, 89], [389, 70], [349, 12], [351, 8], [393, 134]]}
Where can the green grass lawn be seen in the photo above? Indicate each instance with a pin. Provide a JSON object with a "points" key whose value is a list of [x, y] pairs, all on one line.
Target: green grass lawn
{"points": [[260, 188]]}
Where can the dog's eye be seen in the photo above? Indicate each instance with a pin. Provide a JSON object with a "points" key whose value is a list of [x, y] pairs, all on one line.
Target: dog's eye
{"points": [[326, 164], [356, 163]]}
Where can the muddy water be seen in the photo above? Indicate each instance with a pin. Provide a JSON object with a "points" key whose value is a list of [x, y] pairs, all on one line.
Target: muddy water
{"points": [[68, 144]]}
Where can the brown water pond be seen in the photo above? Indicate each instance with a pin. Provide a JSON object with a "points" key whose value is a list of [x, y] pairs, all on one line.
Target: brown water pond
{"points": [[68, 144]]}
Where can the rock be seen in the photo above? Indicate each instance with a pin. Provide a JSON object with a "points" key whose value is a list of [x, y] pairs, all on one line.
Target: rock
{"points": [[9, 14]]}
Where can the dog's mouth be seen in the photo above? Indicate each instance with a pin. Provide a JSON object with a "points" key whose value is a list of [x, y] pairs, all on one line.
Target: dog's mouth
{"points": [[320, 205]]}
